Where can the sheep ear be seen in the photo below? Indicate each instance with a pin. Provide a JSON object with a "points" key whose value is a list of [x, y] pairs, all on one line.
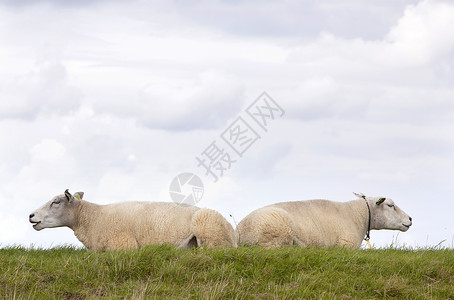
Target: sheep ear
{"points": [[79, 195], [68, 195], [360, 195], [380, 201]]}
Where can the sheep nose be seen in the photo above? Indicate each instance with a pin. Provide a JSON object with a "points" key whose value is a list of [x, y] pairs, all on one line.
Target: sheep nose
{"points": [[31, 215], [410, 219]]}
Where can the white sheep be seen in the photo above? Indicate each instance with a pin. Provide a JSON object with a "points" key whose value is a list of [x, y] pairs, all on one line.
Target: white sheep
{"points": [[320, 223], [129, 225]]}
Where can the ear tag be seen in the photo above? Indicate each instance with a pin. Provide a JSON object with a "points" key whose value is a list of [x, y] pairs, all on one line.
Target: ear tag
{"points": [[77, 196], [380, 201], [368, 244]]}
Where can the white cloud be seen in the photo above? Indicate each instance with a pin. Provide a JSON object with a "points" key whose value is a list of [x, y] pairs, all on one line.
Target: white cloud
{"points": [[424, 33], [47, 152], [50, 166], [417, 50], [43, 91], [204, 102]]}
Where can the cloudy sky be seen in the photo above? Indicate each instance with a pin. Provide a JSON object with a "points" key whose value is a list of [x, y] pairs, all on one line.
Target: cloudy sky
{"points": [[116, 98]]}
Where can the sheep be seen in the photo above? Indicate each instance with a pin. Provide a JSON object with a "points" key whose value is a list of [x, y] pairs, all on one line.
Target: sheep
{"points": [[320, 223], [130, 225]]}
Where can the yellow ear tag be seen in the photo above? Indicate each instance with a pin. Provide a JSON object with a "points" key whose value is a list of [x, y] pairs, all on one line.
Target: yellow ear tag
{"points": [[77, 196], [368, 244]]}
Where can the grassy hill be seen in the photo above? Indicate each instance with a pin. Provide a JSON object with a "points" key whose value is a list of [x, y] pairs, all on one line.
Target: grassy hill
{"points": [[243, 273]]}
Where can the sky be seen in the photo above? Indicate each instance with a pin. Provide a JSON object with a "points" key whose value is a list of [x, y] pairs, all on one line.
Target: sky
{"points": [[118, 98]]}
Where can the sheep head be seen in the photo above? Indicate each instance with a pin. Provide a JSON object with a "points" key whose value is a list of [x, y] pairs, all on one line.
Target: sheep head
{"points": [[385, 214], [58, 212]]}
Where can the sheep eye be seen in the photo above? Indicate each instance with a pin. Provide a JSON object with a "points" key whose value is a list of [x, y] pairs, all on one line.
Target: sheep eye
{"points": [[390, 205], [55, 202]]}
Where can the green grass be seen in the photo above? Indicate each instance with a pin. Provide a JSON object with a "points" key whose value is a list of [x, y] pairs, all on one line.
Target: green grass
{"points": [[243, 273]]}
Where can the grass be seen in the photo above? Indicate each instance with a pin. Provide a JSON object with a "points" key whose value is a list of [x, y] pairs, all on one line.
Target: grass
{"points": [[243, 273]]}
